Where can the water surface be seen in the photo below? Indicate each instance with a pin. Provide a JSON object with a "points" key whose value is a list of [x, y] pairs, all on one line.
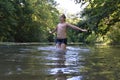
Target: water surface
{"points": [[42, 62]]}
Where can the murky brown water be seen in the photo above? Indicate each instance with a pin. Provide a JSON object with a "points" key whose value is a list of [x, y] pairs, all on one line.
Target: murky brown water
{"points": [[41, 62]]}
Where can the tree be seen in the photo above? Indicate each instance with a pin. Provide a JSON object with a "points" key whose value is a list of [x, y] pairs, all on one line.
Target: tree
{"points": [[100, 16], [26, 20]]}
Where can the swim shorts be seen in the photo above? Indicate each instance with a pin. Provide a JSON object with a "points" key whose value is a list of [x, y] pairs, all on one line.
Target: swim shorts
{"points": [[60, 41]]}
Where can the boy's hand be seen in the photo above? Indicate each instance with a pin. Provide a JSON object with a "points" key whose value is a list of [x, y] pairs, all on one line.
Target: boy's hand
{"points": [[84, 30], [50, 32]]}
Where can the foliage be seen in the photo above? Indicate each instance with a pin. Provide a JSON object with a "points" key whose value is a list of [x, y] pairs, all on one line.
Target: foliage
{"points": [[114, 34], [31, 21], [26, 20], [100, 16]]}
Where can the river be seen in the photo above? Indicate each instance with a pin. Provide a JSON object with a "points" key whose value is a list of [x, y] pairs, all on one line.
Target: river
{"points": [[42, 62]]}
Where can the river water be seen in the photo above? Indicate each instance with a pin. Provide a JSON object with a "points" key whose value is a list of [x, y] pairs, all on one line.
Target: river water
{"points": [[42, 62]]}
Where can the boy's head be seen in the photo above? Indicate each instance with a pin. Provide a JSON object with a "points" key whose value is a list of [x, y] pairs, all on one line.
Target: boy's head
{"points": [[62, 18]]}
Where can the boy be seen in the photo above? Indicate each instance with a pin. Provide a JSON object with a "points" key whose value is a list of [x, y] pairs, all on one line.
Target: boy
{"points": [[61, 40]]}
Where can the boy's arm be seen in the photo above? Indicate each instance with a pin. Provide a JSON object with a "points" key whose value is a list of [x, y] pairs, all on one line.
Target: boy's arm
{"points": [[76, 28], [53, 30]]}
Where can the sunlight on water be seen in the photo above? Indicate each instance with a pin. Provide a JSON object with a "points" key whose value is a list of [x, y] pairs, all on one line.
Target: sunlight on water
{"points": [[64, 64]]}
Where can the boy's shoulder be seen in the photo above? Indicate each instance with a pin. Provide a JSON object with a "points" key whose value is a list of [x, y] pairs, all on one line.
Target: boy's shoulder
{"points": [[63, 23]]}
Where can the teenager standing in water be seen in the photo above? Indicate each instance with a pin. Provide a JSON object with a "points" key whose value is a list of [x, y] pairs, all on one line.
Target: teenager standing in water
{"points": [[61, 28]]}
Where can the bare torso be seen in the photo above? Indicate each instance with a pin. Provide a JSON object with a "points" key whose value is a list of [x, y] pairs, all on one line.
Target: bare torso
{"points": [[61, 30]]}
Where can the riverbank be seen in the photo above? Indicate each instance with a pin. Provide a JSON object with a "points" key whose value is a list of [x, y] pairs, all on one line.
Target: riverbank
{"points": [[52, 43]]}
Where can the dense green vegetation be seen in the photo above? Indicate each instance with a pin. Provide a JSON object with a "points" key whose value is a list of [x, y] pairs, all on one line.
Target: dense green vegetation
{"points": [[31, 21], [102, 18], [27, 20]]}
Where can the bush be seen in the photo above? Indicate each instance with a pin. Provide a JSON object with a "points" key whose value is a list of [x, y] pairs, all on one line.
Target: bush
{"points": [[114, 34]]}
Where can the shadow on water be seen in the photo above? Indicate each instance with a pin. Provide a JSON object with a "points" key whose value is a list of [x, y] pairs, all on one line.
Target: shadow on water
{"points": [[33, 62]]}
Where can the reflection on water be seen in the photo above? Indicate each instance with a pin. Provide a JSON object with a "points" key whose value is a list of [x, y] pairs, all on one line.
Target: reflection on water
{"points": [[33, 62]]}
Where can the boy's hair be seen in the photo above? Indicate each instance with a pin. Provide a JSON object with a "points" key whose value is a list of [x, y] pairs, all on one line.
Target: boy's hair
{"points": [[63, 15]]}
